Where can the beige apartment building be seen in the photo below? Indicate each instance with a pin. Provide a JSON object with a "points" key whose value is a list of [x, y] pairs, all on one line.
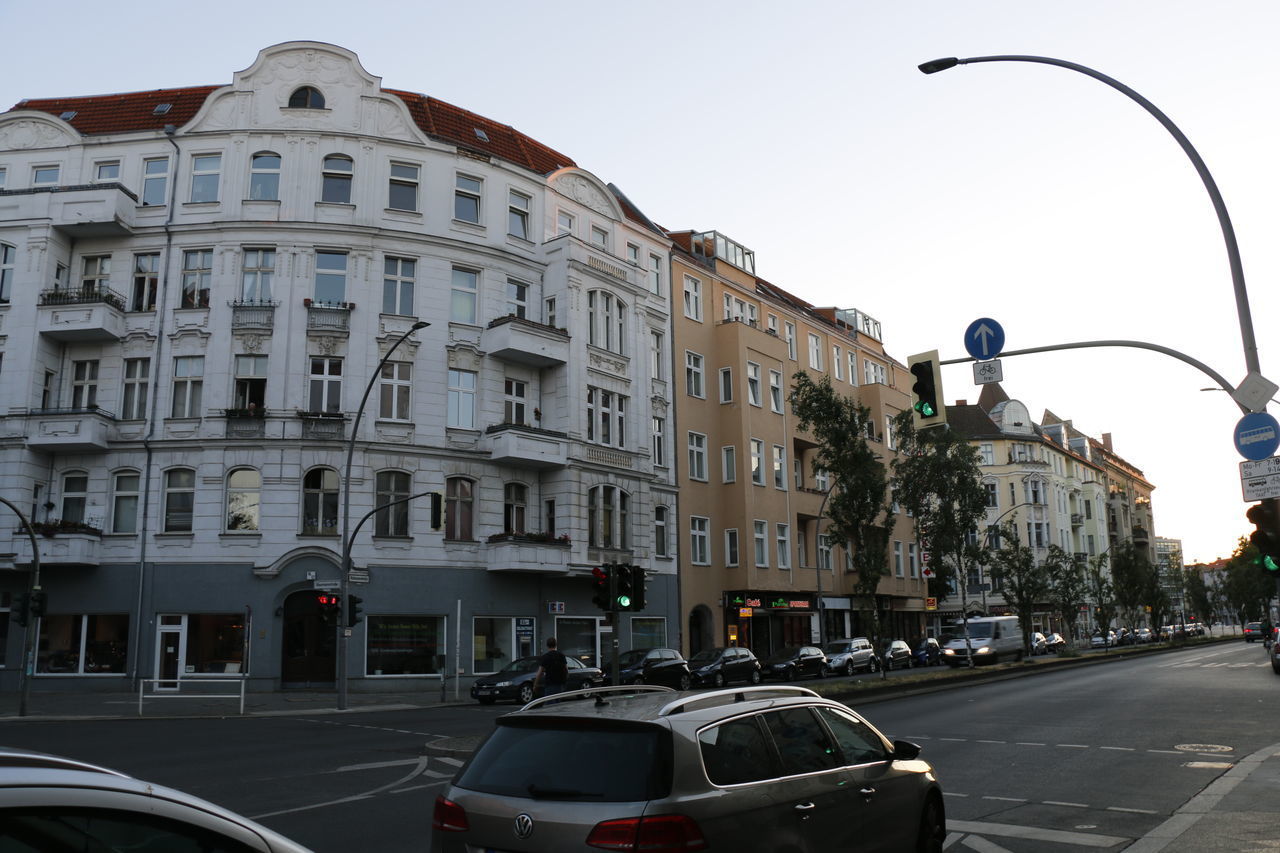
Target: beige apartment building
{"points": [[756, 569]]}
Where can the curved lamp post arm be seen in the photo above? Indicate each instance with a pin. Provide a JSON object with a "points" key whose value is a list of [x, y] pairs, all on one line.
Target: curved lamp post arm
{"points": [[1219, 207]]}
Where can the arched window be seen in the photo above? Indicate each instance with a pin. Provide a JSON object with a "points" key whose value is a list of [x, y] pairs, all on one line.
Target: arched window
{"points": [[320, 502], [7, 254], [606, 321], [607, 522], [458, 508], [264, 176], [179, 499], [306, 97], [336, 179], [515, 500], [394, 520], [244, 499], [124, 501]]}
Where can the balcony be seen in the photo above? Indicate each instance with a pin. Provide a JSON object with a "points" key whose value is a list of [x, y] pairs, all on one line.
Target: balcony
{"points": [[516, 552], [332, 319], [86, 314], [324, 426], [246, 423], [1077, 519], [59, 549], [91, 210], [522, 446], [1140, 536], [82, 430], [520, 341], [253, 316]]}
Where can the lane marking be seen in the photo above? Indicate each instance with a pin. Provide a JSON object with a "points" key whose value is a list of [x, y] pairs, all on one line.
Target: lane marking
{"points": [[374, 765], [1057, 836], [1130, 811], [1118, 748], [982, 845], [1028, 743], [1067, 805], [1072, 745], [1007, 799], [993, 741], [419, 769]]}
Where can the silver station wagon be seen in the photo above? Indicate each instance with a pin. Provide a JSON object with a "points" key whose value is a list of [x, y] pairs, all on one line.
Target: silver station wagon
{"points": [[649, 769]]}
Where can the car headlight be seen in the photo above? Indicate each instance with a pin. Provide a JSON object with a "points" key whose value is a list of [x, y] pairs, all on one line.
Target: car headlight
{"points": [[948, 651], [984, 650]]}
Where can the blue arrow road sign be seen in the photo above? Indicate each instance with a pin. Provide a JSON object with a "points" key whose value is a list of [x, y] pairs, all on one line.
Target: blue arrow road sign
{"points": [[984, 338], [1257, 436]]}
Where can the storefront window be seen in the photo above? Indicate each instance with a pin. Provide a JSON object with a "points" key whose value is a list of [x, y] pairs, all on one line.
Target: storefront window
{"points": [[491, 644], [577, 639], [215, 643], [648, 632], [83, 645], [405, 645]]}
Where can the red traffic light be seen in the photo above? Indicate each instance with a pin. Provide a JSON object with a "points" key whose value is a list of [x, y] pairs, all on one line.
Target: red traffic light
{"points": [[326, 599]]}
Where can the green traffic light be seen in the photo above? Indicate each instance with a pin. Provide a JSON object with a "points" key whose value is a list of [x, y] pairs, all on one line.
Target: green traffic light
{"points": [[624, 601], [1269, 564], [925, 408]]}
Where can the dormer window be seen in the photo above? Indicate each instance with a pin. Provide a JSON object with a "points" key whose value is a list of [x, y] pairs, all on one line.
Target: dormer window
{"points": [[306, 97]]}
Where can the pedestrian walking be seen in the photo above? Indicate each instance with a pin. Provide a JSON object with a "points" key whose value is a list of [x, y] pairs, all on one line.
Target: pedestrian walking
{"points": [[553, 670]]}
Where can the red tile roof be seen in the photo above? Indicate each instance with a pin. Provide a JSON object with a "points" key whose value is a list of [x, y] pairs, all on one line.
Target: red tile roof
{"points": [[135, 111]]}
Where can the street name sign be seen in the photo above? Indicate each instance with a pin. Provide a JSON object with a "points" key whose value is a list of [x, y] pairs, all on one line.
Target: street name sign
{"points": [[1260, 480], [327, 585], [986, 372], [984, 338], [1257, 436]]}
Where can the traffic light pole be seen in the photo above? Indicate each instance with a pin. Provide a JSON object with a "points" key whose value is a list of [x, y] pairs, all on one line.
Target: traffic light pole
{"points": [[1181, 356], [615, 665], [29, 630]]}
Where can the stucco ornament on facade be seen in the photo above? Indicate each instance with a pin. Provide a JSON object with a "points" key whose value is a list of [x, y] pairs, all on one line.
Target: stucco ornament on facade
{"points": [[36, 132], [585, 193]]}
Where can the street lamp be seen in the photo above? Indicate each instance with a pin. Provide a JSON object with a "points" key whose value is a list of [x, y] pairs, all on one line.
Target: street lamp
{"points": [[1224, 220], [344, 632]]}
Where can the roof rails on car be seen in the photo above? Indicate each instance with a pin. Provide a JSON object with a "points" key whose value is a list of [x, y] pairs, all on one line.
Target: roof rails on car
{"points": [[598, 692], [738, 694]]}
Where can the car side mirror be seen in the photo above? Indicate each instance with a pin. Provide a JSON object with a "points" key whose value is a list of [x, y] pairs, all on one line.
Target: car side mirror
{"points": [[905, 750]]}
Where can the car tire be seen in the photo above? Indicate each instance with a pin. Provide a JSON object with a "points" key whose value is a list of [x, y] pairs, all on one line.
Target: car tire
{"points": [[873, 664], [718, 680], [755, 676], [888, 664], [933, 828], [849, 668], [685, 681], [790, 674], [639, 680], [526, 694]]}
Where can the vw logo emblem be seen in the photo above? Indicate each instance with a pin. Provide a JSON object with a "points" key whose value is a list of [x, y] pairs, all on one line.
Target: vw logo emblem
{"points": [[524, 826]]}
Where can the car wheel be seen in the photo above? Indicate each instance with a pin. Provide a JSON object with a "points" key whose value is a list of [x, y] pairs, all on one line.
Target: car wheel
{"points": [[718, 681], [888, 664], [639, 680], [873, 664], [848, 669], [526, 694], [755, 676], [790, 674], [933, 828], [685, 681]]}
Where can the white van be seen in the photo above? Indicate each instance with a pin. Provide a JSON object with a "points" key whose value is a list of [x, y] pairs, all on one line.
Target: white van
{"points": [[990, 637]]}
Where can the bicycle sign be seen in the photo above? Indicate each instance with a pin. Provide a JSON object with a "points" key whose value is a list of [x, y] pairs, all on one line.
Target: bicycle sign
{"points": [[986, 372]]}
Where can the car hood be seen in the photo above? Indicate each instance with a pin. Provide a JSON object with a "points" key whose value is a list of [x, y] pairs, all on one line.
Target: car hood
{"points": [[518, 678]]}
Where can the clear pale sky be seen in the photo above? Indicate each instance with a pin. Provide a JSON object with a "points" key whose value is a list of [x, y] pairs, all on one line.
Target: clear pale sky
{"points": [[1030, 194]]}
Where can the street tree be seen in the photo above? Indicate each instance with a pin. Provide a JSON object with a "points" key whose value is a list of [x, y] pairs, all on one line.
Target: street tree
{"points": [[1249, 589], [937, 479], [1098, 582], [857, 509], [1024, 581], [1130, 582], [1198, 601], [1067, 586]]}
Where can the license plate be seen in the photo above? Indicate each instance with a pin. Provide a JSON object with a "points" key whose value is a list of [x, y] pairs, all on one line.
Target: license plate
{"points": [[483, 692]]}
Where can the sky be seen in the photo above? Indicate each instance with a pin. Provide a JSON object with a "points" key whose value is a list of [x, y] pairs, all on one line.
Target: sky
{"points": [[1029, 194]]}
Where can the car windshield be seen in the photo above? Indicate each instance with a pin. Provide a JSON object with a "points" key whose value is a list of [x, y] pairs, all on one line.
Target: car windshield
{"points": [[520, 665], [632, 657], [838, 647], [705, 657], [784, 654], [562, 760], [983, 628]]}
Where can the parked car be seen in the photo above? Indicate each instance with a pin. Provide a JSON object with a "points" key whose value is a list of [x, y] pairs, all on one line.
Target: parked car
{"points": [[653, 666], [514, 682], [896, 654], [1053, 642], [1252, 631], [1274, 654], [719, 666], [1145, 635], [52, 803], [792, 662], [1100, 640], [1039, 644], [927, 652], [851, 655], [748, 768]]}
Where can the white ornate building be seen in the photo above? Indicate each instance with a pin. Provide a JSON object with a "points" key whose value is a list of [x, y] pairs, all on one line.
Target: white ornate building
{"points": [[195, 287]]}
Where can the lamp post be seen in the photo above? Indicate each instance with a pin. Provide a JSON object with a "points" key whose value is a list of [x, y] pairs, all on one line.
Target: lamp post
{"points": [[344, 632], [28, 638], [1224, 220], [817, 542]]}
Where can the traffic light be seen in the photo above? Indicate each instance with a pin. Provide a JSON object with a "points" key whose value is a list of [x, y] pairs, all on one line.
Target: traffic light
{"points": [[39, 603], [637, 588], [927, 407], [330, 606], [20, 609], [354, 610], [600, 577], [623, 588], [1265, 517], [437, 510]]}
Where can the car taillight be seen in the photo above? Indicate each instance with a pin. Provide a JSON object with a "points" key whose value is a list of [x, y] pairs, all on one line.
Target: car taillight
{"points": [[664, 833], [449, 816]]}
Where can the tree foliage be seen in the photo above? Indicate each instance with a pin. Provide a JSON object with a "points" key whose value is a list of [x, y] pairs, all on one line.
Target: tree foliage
{"points": [[1248, 588], [1025, 582], [1068, 586], [1101, 590], [1130, 582], [1197, 595]]}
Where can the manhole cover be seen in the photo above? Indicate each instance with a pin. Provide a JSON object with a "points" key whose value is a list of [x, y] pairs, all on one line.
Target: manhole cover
{"points": [[1203, 747]]}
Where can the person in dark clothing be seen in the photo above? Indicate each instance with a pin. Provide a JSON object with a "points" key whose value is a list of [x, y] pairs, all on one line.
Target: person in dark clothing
{"points": [[553, 671]]}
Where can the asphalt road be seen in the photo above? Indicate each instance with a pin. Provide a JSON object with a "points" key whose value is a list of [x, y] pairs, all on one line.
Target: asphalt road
{"points": [[1085, 759]]}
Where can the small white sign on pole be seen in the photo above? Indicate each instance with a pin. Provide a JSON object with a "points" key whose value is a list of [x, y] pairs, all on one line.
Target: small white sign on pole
{"points": [[1260, 480], [986, 372]]}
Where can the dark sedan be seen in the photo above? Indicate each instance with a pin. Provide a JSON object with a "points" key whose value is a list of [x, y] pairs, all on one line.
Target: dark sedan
{"points": [[896, 654], [515, 681], [717, 667], [792, 662], [653, 666]]}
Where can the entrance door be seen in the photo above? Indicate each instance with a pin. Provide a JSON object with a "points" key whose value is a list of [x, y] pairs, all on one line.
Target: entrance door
{"points": [[169, 654], [308, 653]]}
